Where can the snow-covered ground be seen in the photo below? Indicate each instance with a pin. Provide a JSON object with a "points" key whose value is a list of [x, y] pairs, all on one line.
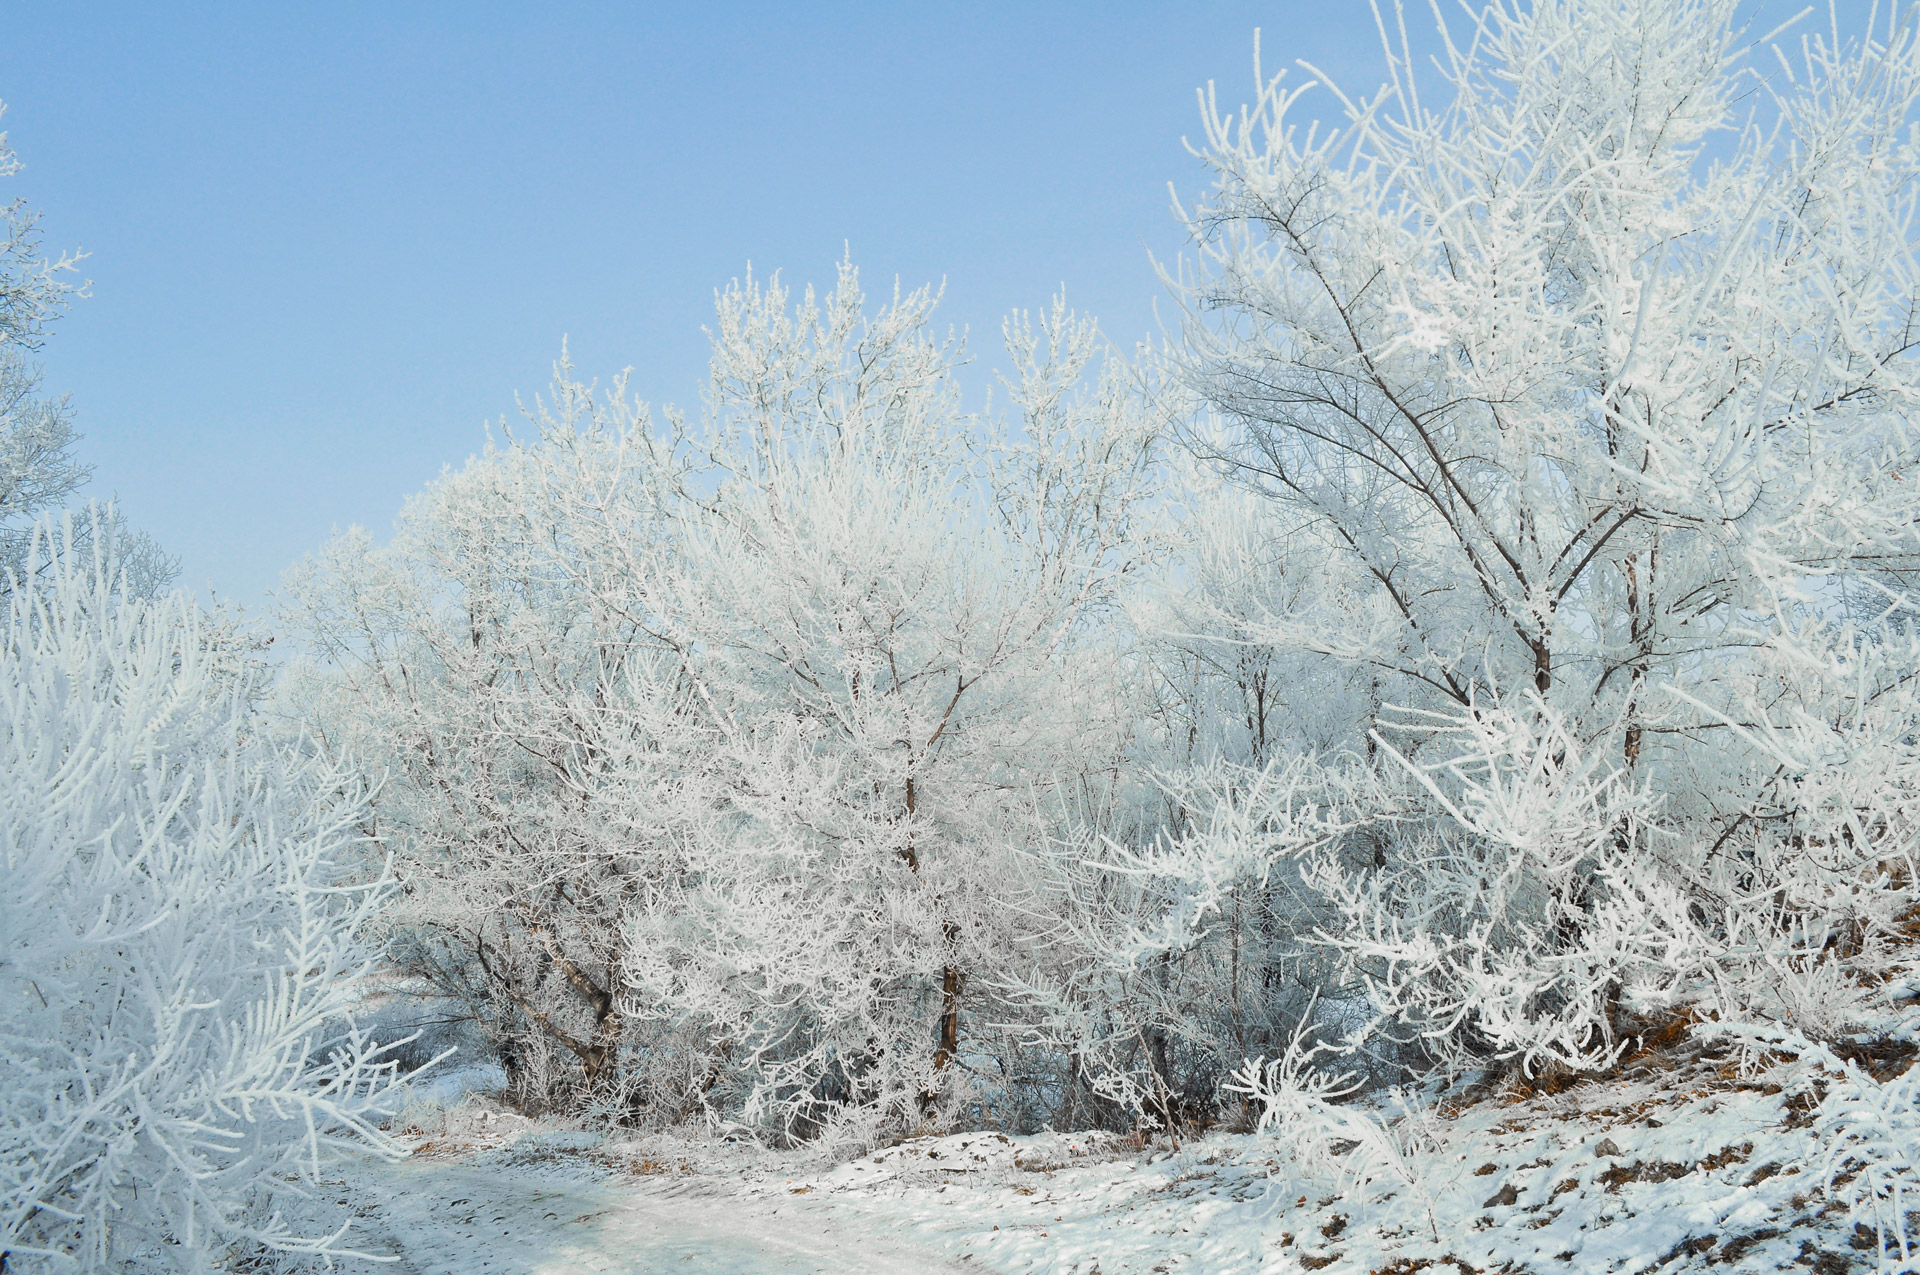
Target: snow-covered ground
{"points": [[443, 1217], [1683, 1168]]}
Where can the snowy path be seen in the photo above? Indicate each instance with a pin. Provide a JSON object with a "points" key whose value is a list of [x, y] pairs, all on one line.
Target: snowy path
{"points": [[443, 1218]]}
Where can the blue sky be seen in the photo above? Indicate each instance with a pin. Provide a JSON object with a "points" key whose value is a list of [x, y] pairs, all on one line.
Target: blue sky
{"points": [[329, 243]]}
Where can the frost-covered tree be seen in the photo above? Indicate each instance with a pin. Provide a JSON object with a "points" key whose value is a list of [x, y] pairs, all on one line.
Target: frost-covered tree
{"points": [[1580, 366], [709, 746], [1580, 370], [470, 663], [178, 947], [34, 287], [1154, 1005], [39, 473], [896, 611]]}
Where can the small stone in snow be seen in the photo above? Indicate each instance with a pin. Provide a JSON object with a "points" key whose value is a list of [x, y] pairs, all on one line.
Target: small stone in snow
{"points": [[1606, 1147]]}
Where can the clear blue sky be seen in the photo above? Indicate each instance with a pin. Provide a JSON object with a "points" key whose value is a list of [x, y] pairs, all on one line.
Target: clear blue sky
{"points": [[329, 243]]}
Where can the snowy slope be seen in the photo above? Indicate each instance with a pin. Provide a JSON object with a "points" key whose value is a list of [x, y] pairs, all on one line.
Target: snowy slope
{"points": [[1636, 1178]]}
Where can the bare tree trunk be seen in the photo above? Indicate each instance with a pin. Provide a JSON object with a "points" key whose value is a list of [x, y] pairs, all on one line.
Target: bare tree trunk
{"points": [[947, 1038], [950, 981], [1637, 625]]}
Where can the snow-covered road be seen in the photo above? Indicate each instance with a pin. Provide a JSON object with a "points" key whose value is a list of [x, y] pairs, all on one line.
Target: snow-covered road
{"points": [[442, 1218]]}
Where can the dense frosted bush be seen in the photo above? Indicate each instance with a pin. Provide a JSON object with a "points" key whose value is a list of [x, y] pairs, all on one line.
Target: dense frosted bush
{"points": [[177, 940]]}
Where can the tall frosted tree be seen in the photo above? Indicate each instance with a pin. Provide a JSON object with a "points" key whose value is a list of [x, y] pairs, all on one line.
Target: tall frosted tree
{"points": [[1580, 371]]}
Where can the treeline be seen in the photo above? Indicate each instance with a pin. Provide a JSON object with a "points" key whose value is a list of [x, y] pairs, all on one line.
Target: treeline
{"points": [[1487, 623]]}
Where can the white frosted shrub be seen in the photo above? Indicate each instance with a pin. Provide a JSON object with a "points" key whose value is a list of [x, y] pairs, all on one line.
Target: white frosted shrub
{"points": [[177, 948], [1323, 1137]]}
